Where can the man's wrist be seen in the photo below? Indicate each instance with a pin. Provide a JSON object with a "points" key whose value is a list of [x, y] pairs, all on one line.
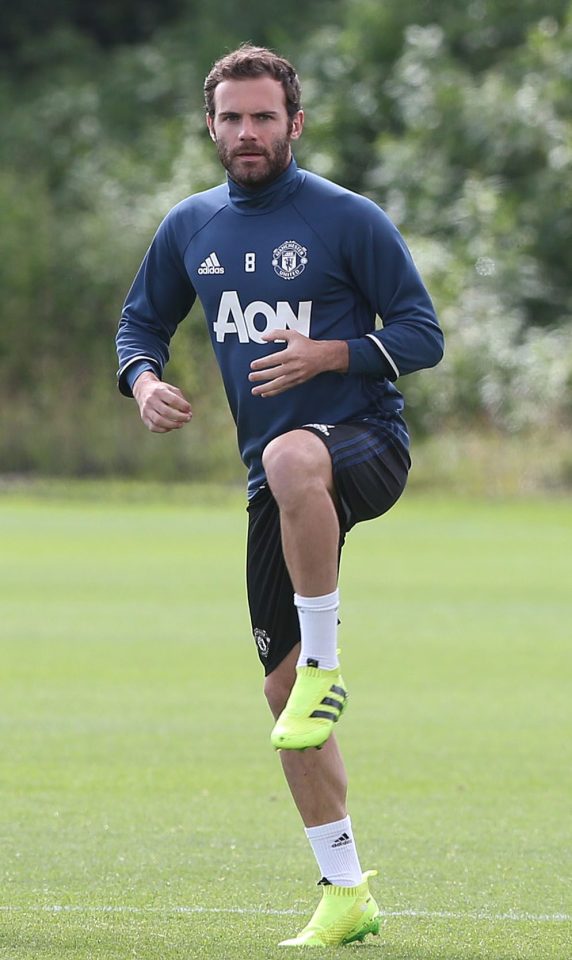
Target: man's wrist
{"points": [[337, 355], [144, 377]]}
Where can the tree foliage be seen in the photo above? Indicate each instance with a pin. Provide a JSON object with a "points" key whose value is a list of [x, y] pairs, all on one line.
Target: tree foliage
{"points": [[455, 118]]}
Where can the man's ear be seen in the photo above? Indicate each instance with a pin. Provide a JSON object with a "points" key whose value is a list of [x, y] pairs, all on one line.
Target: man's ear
{"points": [[210, 125], [297, 125]]}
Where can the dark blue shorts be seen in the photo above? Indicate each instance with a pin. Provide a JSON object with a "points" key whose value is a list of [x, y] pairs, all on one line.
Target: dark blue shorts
{"points": [[370, 468]]}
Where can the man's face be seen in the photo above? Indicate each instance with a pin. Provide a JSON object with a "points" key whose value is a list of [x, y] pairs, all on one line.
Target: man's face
{"points": [[252, 130]]}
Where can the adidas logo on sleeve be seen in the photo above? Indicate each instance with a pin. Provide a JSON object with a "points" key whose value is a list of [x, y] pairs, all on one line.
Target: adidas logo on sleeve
{"points": [[211, 265]]}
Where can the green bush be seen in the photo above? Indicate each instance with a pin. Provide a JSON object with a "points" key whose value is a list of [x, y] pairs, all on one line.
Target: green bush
{"points": [[458, 121]]}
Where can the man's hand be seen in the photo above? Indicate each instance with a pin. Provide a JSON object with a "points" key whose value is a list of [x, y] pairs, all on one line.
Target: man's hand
{"points": [[300, 360], [162, 407]]}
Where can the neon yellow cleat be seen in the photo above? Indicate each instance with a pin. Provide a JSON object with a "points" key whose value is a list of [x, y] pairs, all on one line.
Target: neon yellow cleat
{"points": [[344, 914], [317, 701]]}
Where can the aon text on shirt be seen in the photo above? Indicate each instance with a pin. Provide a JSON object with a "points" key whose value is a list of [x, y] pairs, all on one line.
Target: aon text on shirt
{"points": [[250, 322]]}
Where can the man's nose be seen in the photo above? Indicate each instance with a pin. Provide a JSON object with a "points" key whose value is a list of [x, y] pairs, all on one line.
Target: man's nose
{"points": [[247, 131]]}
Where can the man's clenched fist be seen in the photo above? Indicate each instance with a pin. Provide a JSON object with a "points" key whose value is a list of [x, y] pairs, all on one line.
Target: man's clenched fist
{"points": [[162, 406]]}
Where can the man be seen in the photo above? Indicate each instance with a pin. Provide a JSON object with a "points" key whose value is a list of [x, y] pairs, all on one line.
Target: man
{"points": [[291, 271]]}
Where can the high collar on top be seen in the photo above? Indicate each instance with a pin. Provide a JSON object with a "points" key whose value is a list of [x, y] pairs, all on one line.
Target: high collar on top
{"points": [[276, 194]]}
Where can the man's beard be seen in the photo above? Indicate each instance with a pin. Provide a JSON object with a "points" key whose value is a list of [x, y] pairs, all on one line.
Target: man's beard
{"points": [[260, 175]]}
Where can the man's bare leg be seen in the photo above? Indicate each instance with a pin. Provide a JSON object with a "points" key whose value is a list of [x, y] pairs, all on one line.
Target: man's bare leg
{"points": [[316, 778], [299, 472]]}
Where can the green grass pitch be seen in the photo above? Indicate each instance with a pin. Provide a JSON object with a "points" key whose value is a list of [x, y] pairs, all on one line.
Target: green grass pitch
{"points": [[142, 809]]}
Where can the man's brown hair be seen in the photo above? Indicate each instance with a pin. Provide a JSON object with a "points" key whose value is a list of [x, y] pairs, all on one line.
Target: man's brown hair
{"points": [[249, 62]]}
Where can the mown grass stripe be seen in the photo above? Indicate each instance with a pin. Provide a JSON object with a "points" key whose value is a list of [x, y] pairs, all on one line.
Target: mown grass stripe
{"points": [[511, 915]]}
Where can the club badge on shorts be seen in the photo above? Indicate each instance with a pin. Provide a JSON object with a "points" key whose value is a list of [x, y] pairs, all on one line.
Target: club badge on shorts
{"points": [[262, 641]]}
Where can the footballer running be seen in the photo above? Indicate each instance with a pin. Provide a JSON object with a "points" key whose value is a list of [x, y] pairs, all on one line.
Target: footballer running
{"points": [[292, 271]]}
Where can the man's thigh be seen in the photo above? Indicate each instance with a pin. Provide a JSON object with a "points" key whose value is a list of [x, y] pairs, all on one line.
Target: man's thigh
{"points": [[370, 468]]}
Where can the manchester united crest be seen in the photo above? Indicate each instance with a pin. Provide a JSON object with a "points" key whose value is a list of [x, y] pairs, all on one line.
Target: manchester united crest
{"points": [[289, 259], [262, 641]]}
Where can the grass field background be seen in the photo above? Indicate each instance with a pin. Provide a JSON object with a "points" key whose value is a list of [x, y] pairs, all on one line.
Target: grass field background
{"points": [[142, 811]]}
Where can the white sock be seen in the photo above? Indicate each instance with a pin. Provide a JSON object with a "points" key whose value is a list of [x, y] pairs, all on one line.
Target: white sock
{"points": [[334, 849], [318, 618]]}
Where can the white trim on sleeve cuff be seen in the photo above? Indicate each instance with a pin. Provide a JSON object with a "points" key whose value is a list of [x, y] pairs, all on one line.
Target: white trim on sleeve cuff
{"points": [[379, 344], [136, 360]]}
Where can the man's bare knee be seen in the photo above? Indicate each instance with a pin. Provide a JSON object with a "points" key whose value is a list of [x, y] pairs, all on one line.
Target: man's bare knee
{"points": [[286, 454], [295, 462]]}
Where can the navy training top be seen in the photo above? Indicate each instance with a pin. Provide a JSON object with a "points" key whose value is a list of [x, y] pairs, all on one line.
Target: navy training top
{"points": [[302, 253]]}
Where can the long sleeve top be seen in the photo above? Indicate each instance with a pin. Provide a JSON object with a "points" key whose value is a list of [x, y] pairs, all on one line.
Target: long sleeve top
{"points": [[302, 253]]}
